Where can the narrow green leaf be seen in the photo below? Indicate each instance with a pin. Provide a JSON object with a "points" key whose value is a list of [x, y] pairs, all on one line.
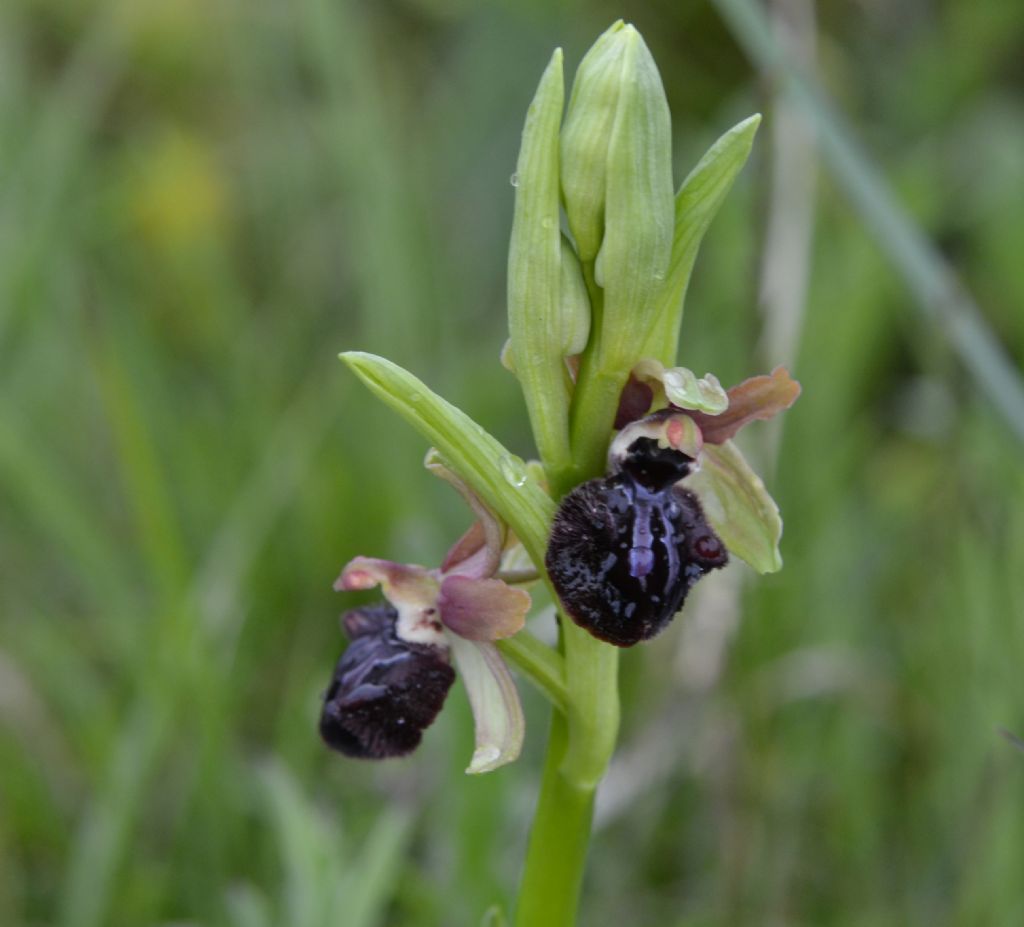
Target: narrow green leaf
{"points": [[496, 475], [697, 203], [738, 506]]}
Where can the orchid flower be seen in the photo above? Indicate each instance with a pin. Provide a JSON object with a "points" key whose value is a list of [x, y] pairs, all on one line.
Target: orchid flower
{"points": [[455, 612]]}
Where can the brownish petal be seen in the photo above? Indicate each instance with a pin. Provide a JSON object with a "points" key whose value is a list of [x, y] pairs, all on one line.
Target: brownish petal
{"points": [[482, 609], [470, 544], [761, 398], [634, 402], [478, 552]]}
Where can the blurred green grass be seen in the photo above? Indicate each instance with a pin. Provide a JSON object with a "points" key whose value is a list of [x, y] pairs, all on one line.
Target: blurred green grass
{"points": [[201, 204]]}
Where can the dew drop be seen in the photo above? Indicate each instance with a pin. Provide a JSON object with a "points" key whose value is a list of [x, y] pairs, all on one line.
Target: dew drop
{"points": [[547, 222], [513, 469], [514, 180]]}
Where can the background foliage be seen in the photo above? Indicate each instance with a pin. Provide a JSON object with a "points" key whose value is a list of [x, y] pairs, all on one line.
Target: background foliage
{"points": [[202, 203]]}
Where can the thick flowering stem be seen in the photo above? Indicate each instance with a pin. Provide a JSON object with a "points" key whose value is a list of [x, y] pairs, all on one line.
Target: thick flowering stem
{"points": [[555, 861], [580, 746]]}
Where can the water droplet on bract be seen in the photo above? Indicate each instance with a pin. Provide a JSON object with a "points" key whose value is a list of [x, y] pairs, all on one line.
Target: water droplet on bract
{"points": [[513, 469], [659, 275], [514, 180], [548, 222]]}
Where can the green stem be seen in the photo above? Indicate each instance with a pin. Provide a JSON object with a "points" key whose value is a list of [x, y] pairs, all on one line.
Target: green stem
{"points": [[582, 737], [592, 680], [579, 749], [541, 664], [596, 402], [549, 895]]}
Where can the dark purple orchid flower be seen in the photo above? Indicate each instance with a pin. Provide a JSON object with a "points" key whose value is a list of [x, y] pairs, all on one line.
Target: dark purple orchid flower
{"points": [[626, 549], [392, 680], [385, 691]]}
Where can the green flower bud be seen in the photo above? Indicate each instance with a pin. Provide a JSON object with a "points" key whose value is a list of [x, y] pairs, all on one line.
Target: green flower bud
{"points": [[616, 173], [585, 139], [539, 334], [574, 304]]}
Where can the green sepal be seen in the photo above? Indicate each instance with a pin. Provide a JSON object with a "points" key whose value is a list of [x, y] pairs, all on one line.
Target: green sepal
{"points": [[696, 204], [496, 475], [738, 506]]}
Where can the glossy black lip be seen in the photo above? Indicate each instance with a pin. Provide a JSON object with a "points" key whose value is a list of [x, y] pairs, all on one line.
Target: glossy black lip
{"points": [[626, 549], [384, 692]]}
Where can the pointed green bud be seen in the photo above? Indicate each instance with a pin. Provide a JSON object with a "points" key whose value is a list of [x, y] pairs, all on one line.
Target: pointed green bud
{"points": [[585, 139], [617, 189], [540, 334], [617, 174]]}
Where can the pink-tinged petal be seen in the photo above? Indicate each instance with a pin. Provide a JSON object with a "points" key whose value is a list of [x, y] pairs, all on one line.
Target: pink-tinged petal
{"points": [[738, 507], [467, 556], [482, 609], [411, 589], [470, 552], [757, 398], [676, 430], [367, 572], [497, 714]]}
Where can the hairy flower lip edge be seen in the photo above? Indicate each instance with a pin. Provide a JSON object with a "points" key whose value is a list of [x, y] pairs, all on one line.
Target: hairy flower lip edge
{"points": [[607, 593]]}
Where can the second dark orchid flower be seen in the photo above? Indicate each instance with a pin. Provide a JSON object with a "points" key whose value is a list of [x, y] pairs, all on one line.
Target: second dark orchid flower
{"points": [[392, 677]]}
